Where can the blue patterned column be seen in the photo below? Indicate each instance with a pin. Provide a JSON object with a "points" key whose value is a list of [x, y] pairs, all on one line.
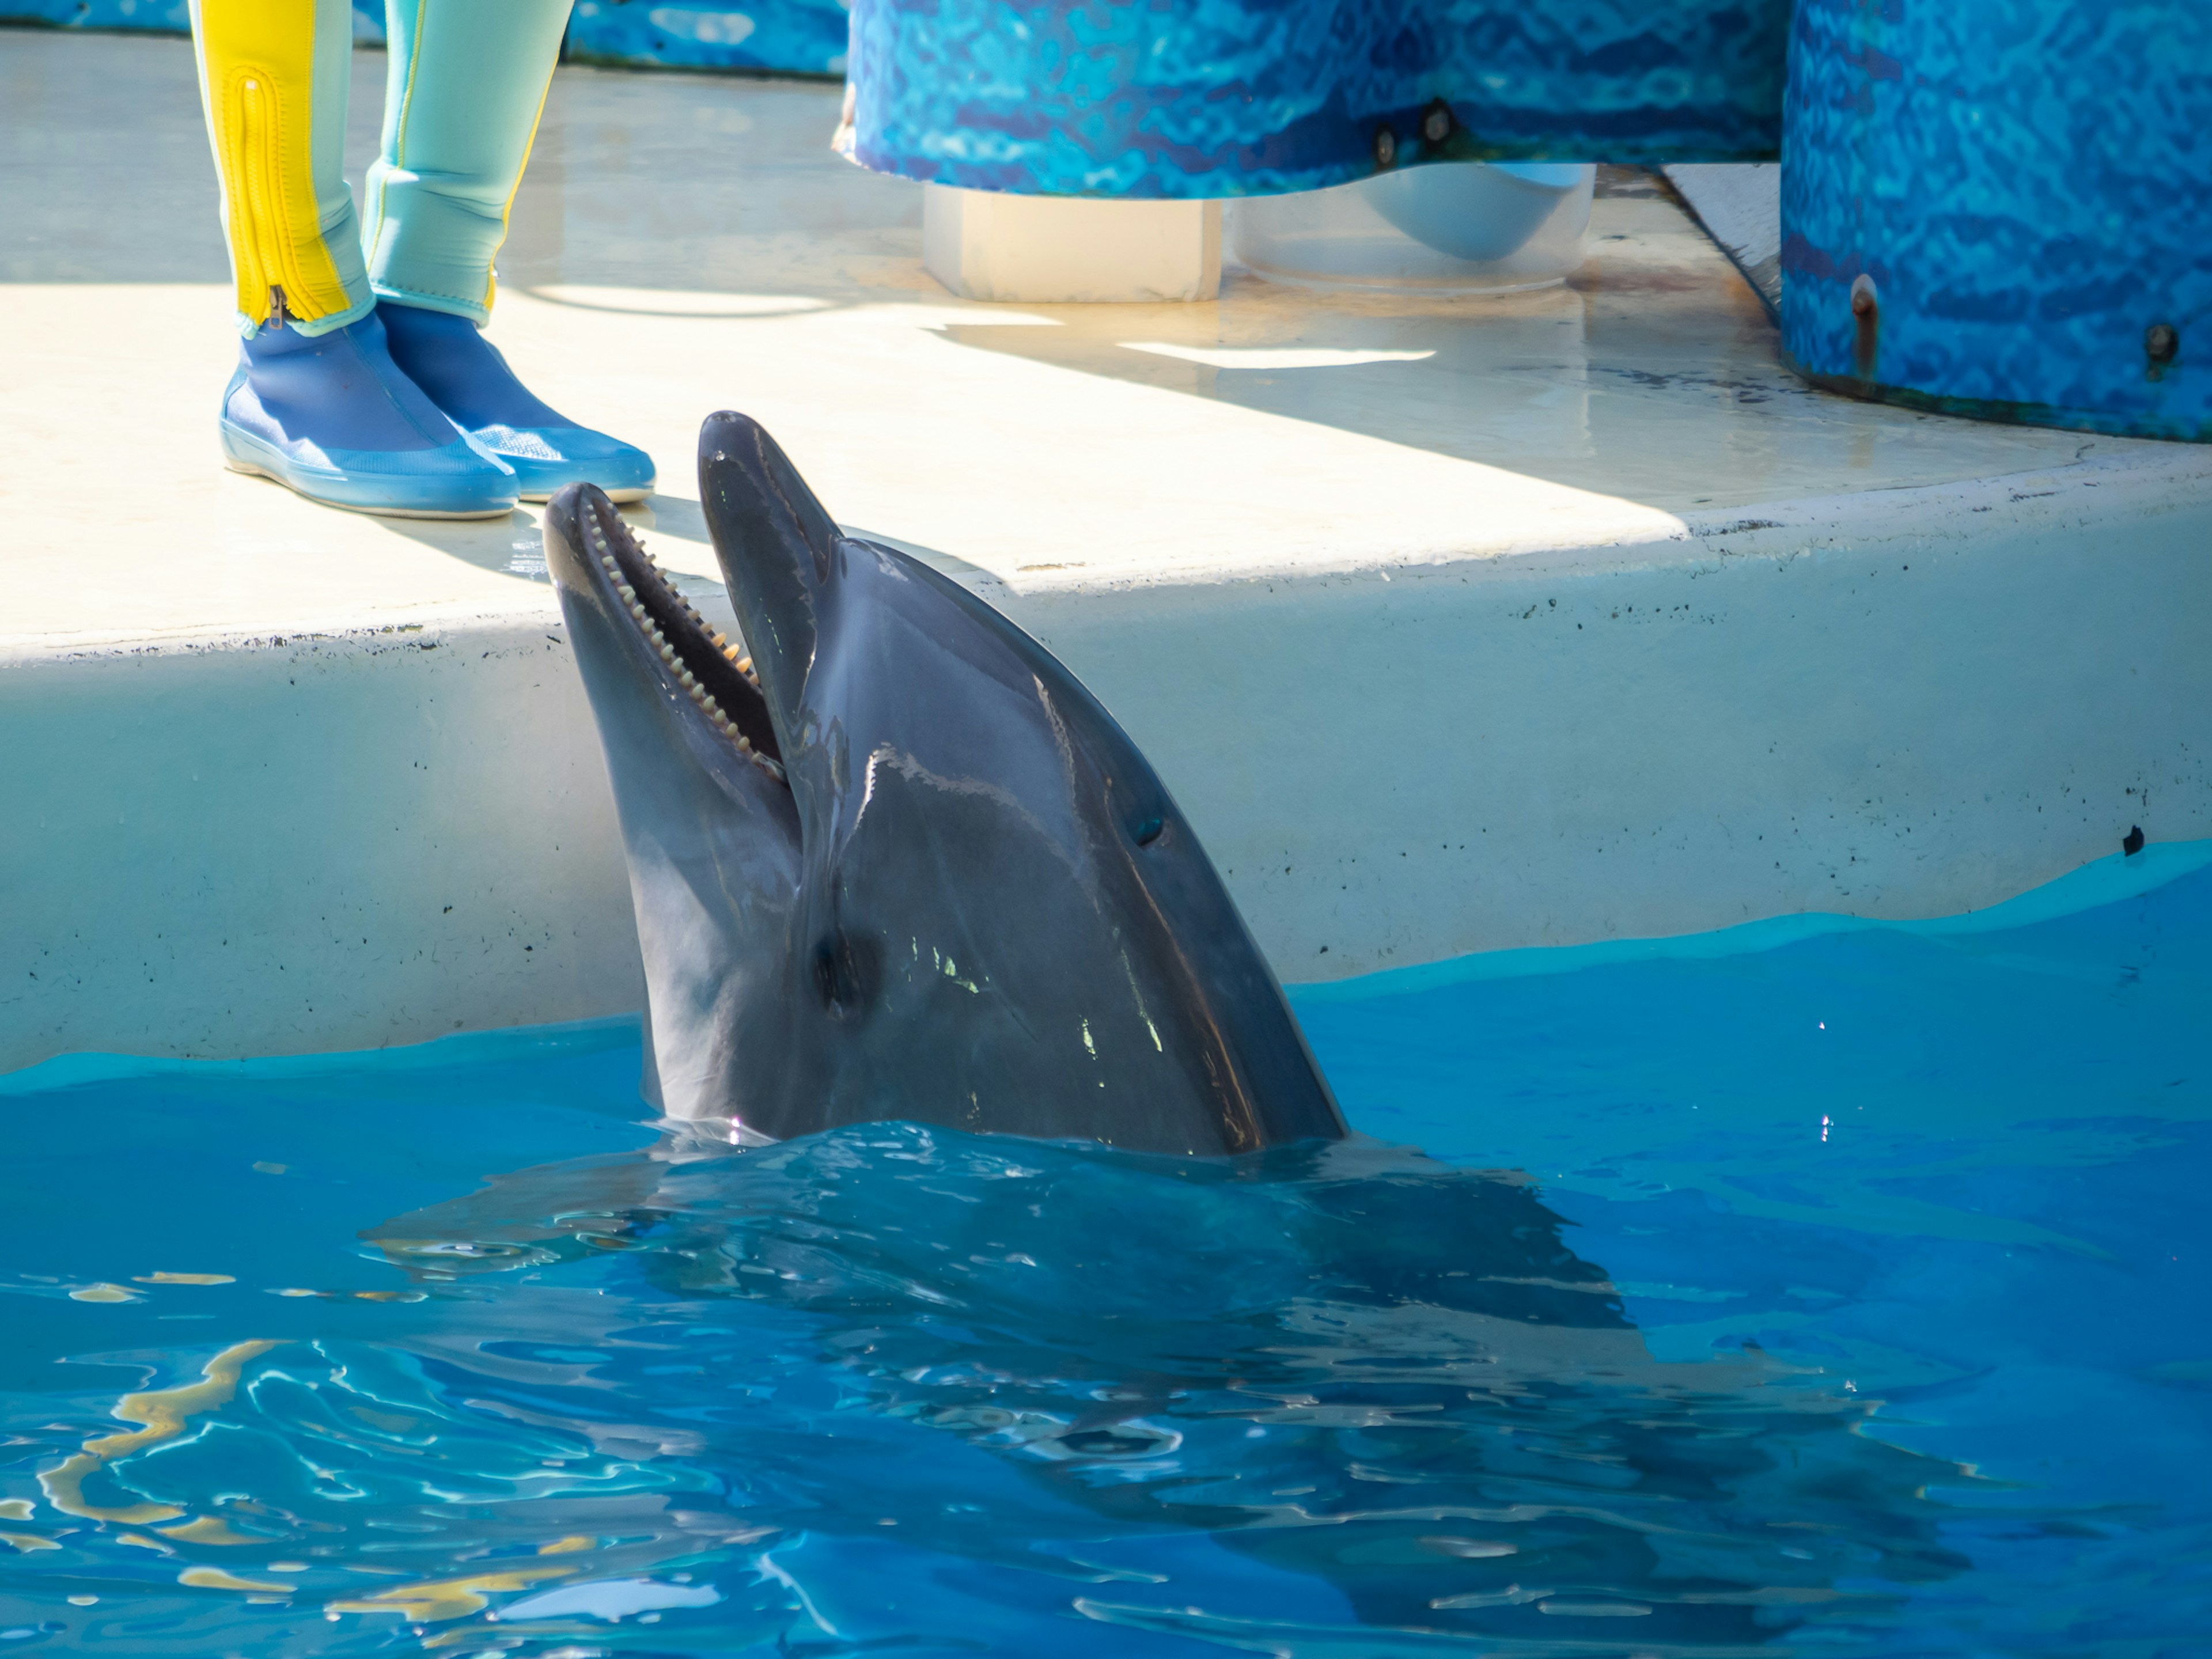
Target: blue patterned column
{"points": [[1209, 98], [2003, 208]]}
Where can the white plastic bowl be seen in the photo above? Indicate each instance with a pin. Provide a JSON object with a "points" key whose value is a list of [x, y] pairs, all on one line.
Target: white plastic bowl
{"points": [[1450, 227]]}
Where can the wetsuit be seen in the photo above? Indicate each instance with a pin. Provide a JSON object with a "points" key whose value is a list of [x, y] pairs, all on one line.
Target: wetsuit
{"points": [[362, 382]]}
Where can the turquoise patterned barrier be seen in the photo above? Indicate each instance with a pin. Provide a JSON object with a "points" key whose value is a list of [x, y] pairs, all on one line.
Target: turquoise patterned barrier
{"points": [[1210, 98], [786, 35], [2003, 208], [160, 16]]}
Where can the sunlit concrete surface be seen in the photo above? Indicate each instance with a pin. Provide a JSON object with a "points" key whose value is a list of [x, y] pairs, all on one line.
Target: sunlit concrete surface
{"points": [[1454, 624]]}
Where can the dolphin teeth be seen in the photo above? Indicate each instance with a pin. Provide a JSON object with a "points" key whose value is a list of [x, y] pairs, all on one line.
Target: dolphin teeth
{"points": [[667, 652], [690, 680], [769, 766], [626, 591], [607, 559]]}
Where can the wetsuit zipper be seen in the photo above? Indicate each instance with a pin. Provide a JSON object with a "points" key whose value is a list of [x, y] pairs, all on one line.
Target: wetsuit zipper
{"points": [[254, 155]]}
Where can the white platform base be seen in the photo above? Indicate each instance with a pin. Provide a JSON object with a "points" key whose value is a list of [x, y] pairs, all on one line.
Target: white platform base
{"points": [[1040, 250]]}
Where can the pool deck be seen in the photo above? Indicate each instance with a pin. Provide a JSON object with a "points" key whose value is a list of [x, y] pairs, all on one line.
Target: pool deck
{"points": [[1455, 624]]}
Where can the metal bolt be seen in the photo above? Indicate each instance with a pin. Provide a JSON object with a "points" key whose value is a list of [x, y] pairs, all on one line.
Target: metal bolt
{"points": [[2161, 343], [1436, 123], [1866, 327], [1386, 149]]}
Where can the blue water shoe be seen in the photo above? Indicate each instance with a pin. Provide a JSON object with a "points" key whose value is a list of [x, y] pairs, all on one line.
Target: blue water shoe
{"points": [[465, 375], [333, 417]]}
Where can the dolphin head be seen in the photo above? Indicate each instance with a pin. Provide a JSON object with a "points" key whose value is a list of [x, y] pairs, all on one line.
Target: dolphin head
{"points": [[897, 863]]}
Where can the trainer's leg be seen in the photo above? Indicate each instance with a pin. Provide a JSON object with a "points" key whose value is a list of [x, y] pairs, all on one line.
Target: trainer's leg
{"points": [[274, 82], [469, 79], [316, 402]]}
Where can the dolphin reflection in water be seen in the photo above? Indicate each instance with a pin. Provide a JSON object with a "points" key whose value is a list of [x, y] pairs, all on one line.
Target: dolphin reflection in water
{"points": [[1386, 1376]]}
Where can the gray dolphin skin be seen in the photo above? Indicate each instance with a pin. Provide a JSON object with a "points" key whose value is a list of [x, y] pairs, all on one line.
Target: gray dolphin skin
{"points": [[898, 864]]}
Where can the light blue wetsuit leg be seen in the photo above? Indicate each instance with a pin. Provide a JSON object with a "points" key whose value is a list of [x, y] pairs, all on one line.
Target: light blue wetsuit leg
{"points": [[468, 80]]}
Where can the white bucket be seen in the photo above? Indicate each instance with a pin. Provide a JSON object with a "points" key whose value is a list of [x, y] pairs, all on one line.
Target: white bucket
{"points": [[1447, 227]]}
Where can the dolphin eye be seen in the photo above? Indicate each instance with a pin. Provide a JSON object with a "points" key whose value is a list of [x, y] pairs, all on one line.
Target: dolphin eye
{"points": [[1145, 831]]}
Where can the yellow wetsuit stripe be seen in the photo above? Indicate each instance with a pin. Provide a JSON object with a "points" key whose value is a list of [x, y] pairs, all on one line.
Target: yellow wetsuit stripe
{"points": [[260, 56]]}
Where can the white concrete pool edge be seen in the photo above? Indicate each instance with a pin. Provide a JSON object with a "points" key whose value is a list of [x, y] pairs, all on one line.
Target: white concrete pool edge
{"points": [[1908, 702], [1598, 535]]}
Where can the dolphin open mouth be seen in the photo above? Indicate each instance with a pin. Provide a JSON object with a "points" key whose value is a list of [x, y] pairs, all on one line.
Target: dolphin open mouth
{"points": [[696, 660]]}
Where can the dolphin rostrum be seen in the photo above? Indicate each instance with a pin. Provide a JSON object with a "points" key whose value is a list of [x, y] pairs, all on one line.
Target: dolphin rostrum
{"points": [[898, 864]]}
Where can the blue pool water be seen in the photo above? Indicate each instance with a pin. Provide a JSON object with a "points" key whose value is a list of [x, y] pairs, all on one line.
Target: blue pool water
{"points": [[1775, 1292]]}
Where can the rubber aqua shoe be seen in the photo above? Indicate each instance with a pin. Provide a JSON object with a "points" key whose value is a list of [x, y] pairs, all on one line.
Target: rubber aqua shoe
{"points": [[333, 416], [465, 375]]}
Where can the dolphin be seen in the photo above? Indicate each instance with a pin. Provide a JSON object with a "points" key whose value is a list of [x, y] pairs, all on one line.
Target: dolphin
{"points": [[890, 860]]}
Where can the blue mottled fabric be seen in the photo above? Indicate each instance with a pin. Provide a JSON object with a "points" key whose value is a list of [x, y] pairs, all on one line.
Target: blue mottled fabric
{"points": [[2027, 185], [156, 16], [1210, 98], [807, 35], [159, 16]]}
